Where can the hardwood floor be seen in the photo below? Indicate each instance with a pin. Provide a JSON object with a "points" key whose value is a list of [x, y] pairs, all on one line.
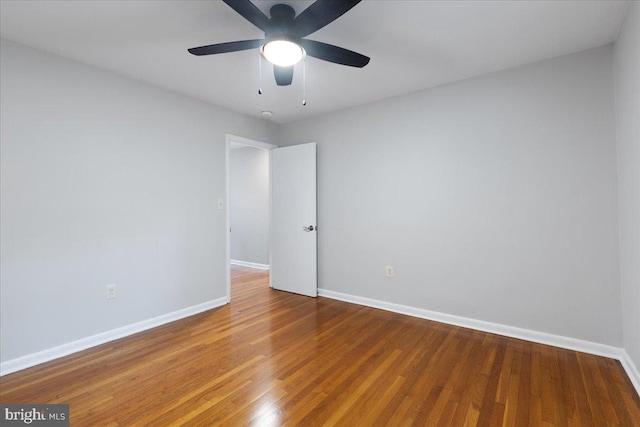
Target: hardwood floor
{"points": [[274, 358]]}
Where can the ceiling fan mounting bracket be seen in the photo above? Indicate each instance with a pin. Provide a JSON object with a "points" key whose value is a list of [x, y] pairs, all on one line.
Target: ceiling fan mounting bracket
{"points": [[282, 14]]}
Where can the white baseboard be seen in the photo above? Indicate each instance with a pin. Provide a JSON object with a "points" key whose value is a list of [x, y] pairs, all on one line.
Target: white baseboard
{"points": [[33, 359], [250, 264], [632, 369], [499, 329]]}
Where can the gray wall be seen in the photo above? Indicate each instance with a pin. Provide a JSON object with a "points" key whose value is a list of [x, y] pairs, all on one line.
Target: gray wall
{"points": [[627, 66], [249, 204], [105, 180], [495, 198]]}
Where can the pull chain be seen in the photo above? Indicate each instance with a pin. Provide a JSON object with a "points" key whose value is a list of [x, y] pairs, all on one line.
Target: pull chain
{"points": [[259, 74], [304, 82]]}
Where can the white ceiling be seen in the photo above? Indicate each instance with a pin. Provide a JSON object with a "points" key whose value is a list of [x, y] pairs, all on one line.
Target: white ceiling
{"points": [[412, 44]]}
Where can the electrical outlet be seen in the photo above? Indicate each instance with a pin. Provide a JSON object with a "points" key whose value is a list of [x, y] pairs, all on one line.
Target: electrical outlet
{"points": [[389, 270], [111, 291]]}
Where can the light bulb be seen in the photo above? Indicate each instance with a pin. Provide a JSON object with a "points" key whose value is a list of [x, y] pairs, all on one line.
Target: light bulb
{"points": [[282, 52]]}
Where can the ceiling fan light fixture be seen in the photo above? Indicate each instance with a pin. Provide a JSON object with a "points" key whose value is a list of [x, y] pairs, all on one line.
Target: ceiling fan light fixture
{"points": [[284, 43], [283, 53]]}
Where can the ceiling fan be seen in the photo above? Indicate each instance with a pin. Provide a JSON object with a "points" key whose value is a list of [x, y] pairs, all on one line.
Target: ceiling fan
{"points": [[284, 44]]}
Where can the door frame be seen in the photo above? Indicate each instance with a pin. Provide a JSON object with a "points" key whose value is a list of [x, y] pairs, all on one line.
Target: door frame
{"points": [[229, 138]]}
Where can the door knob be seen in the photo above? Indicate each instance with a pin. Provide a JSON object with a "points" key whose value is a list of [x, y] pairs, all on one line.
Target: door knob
{"points": [[309, 228]]}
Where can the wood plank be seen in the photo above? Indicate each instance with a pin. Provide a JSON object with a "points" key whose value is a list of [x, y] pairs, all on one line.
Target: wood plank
{"points": [[275, 358]]}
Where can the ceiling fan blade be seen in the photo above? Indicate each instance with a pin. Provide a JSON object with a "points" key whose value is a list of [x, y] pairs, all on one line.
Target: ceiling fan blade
{"points": [[226, 47], [335, 54], [319, 14], [284, 75], [250, 12]]}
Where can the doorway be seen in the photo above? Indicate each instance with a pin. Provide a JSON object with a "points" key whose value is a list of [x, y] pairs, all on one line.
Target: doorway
{"points": [[248, 201]]}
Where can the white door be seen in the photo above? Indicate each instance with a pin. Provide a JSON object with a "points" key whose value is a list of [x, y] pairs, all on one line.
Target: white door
{"points": [[293, 219]]}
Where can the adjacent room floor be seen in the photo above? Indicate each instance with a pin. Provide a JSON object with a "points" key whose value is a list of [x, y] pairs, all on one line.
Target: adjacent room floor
{"points": [[274, 358]]}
